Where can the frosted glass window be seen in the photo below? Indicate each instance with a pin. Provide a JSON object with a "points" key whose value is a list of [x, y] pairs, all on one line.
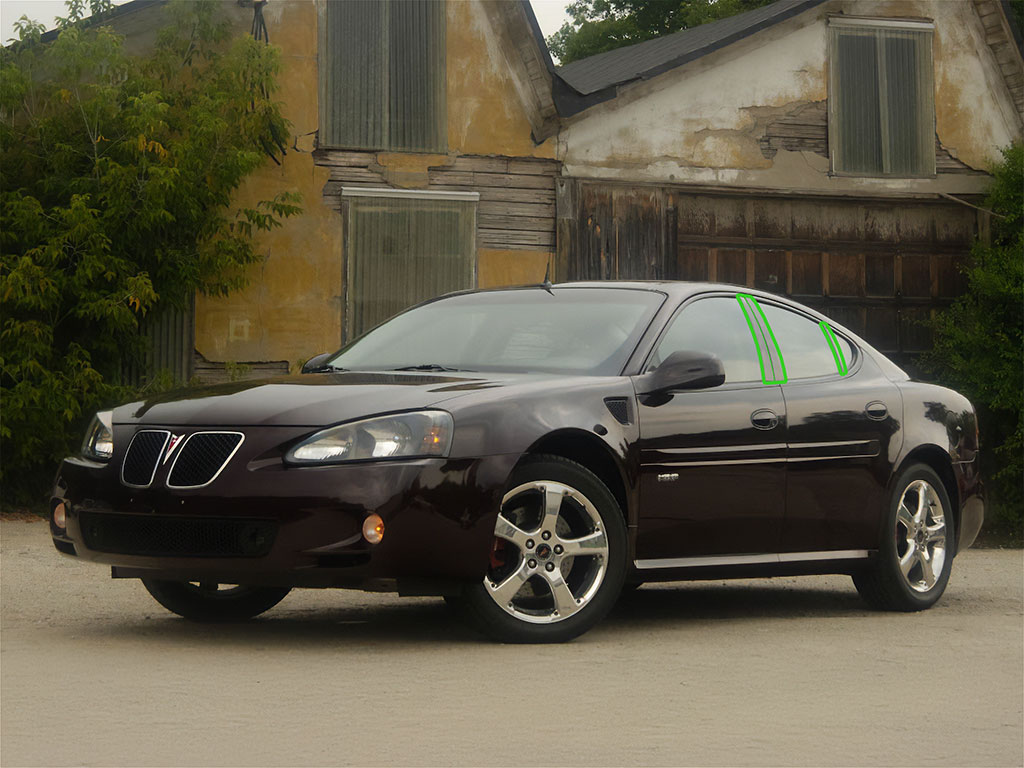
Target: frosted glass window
{"points": [[881, 104], [401, 251], [383, 75]]}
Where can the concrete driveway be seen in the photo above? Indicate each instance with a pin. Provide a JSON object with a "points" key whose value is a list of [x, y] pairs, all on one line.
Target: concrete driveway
{"points": [[761, 672]]}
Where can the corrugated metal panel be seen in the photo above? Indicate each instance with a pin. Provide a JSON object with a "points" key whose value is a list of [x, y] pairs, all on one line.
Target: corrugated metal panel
{"points": [[400, 251], [169, 343], [882, 101], [356, 75], [384, 75]]}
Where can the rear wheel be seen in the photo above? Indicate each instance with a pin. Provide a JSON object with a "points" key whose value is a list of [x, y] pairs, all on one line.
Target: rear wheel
{"points": [[914, 559], [558, 558], [209, 601]]}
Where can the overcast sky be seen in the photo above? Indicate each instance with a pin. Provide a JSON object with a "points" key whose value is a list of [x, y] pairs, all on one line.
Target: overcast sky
{"points": [[550, 13]]}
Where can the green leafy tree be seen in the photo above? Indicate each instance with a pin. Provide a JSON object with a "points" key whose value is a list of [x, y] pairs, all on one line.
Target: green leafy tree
{"points": [[979, 342], [597, 26], [117, 175]]}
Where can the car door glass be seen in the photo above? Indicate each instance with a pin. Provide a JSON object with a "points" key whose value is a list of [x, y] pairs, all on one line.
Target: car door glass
{"points": [[714, 325], [808, 348]]}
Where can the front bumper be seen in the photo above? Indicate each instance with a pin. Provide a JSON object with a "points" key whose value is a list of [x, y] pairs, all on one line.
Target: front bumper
{"points": [[439, 519], [972, 502]]}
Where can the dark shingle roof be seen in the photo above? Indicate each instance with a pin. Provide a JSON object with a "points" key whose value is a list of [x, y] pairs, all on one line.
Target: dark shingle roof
{"points": [[644, 60]]}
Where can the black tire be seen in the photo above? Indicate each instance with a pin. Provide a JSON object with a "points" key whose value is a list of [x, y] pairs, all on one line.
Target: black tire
{"points": [[594, 578], [882, 583], [207, 603]]}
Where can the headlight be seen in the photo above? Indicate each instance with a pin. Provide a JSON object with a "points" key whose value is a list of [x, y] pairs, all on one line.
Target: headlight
{"points": [[99, 437], [402, 435]]}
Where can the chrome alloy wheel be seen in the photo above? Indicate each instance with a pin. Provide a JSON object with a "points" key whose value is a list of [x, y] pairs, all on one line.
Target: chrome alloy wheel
{"points": [[550, 552], [920, 536]]}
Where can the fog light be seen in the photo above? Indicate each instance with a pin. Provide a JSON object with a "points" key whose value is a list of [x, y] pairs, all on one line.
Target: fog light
{"points": [[373, 529], [59, 517]]}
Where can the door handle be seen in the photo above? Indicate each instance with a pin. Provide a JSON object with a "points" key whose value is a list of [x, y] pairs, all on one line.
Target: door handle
{"points": [[764, 419], [876, 410]]}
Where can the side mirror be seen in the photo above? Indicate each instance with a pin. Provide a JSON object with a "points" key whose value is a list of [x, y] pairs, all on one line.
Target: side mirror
{"points": [[684, 369], [315, 364]]}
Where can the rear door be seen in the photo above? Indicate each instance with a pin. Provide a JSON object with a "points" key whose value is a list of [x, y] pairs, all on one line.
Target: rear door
{"points": [[843, 431], [712, 461]]}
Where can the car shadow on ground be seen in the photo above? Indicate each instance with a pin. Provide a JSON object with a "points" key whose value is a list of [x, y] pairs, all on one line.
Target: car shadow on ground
{"points": [[430, 621]]}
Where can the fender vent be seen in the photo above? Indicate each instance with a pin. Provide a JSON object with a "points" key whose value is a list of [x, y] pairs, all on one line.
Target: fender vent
{"points": [[620, 409]]}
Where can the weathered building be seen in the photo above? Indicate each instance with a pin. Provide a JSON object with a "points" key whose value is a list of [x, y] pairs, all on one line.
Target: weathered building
{"points": [[827, 149]]}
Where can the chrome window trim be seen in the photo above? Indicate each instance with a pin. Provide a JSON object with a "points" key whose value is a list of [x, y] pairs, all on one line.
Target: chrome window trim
{"points": [[156, 464], [181, 452]]}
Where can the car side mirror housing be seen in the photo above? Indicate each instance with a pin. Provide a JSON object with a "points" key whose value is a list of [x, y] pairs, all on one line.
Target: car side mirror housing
{"points": [[314, 364], [684, 369]]}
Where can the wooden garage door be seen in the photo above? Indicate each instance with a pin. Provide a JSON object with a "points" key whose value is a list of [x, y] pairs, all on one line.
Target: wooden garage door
{"points": [[881, 268]]}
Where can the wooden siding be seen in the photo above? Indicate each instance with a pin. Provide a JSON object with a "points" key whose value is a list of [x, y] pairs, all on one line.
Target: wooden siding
{"points": [[879, 267], [1000, 40], [517, 195], [805, 129]]}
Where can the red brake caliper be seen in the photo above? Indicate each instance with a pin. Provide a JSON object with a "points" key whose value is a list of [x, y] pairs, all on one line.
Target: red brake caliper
{"points": [[498, 553]]}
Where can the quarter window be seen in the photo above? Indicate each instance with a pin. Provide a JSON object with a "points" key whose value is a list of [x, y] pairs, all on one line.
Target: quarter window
{"points": [[881, 101], [402, 248], [382, 83], [808, 348], [714, 325]]}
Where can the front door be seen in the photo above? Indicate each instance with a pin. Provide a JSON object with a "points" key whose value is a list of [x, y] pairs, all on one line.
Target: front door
{"points": [[712, 461]]}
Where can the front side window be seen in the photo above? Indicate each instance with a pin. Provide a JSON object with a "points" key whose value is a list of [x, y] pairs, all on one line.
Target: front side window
{"points": [[382, 75], [404, 248], [881, 100], [714, 325], [808, 348]]}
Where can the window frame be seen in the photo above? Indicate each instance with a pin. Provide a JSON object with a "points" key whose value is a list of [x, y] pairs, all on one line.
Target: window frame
{"points": [[852, 367], [839, 21], [645, 366], [349, 193]]}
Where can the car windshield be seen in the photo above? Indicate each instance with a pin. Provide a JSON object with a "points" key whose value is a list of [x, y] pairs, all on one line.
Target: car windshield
{"points": [[589, 331]]}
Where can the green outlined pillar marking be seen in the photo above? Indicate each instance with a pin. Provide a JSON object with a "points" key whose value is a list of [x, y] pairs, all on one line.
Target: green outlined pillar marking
{"points": [[743, 298], [833, 344]]}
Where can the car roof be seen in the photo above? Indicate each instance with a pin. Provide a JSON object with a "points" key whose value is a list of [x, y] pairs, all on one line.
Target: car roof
{"points": [[676, 289]]}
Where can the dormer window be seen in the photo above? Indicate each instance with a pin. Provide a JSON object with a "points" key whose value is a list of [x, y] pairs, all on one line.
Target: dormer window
{"points": [[881, 97]]}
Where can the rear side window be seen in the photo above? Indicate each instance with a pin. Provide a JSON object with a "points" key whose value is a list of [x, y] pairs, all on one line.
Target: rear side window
{"points": [[714, 325], [808, 348]]}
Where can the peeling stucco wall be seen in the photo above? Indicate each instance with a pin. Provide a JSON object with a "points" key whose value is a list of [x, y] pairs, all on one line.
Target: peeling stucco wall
{"points": [[292, 308], [487, 102], [706, 122]]}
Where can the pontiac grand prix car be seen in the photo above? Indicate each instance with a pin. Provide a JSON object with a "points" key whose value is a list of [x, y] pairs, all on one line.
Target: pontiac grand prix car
{"points": [[528, 452]]}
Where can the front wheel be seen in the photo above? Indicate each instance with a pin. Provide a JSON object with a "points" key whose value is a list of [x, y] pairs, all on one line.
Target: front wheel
{"points": [[914, 558], [208, 602], [558, 558]]}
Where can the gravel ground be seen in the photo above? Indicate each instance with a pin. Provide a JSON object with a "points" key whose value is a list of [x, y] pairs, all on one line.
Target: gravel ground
{"points": [[756, 672]]}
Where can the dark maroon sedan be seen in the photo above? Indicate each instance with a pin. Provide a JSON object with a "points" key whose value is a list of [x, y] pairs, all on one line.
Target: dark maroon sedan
{"points": [[529, 452]]}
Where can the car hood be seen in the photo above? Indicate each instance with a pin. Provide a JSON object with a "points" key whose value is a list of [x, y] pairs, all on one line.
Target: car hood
{"points": [[309, 400]]}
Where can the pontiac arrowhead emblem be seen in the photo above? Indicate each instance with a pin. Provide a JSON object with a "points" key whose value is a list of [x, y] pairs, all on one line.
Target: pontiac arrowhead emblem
{"points": [[171, 445]]}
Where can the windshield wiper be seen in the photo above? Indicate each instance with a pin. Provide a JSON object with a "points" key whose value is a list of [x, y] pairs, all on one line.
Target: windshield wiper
{"points": [[426, 367], [327, 368]]}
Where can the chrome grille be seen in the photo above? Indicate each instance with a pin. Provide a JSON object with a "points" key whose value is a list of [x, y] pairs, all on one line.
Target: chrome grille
{"points": [[202, 458], [142, 457]]}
